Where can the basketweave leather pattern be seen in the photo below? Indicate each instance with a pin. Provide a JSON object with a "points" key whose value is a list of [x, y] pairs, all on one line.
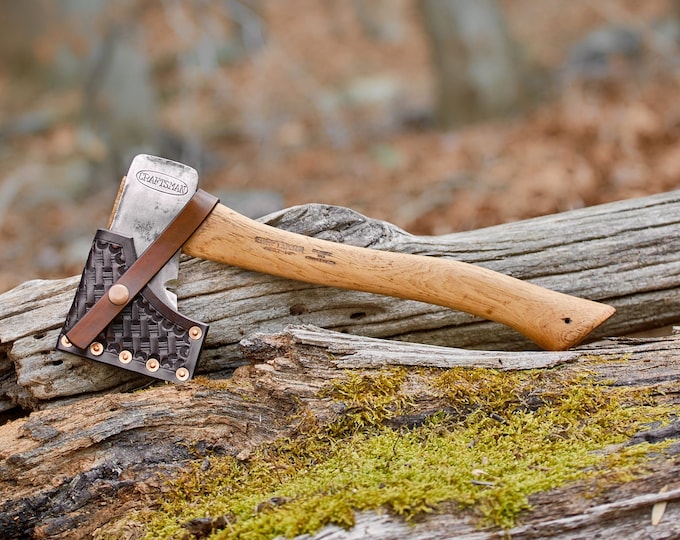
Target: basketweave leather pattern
{"points": [[147, 328]]}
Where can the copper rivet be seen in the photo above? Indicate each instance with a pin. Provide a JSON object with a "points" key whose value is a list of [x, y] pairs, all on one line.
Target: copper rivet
{"points": [[182, 374], [96, 348], [65, 342], [119, 294], [125, 357], [195, 332], [152, 364]]}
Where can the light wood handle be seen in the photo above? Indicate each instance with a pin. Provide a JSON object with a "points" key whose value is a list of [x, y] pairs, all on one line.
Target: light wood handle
{"points": [[554, 320]]}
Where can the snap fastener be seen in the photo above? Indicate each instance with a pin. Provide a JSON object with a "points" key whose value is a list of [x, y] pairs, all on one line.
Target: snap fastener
{"points": [[119, 294]]}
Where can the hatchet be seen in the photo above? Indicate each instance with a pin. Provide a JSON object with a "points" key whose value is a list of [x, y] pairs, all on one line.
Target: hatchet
{"points": [[125, 314]]}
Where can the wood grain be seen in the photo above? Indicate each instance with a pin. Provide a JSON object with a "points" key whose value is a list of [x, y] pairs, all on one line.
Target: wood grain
{"points": [[553, 320]]}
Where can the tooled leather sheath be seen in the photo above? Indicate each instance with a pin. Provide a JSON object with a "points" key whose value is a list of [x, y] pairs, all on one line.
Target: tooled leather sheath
{"points": [[144, 334]]}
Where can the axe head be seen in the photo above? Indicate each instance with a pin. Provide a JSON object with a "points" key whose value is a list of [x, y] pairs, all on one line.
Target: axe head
{"points": [[147, 335], [152, 194]]}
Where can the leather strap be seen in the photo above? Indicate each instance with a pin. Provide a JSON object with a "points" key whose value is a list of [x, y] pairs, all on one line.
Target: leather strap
{"points": [[144, 268]]}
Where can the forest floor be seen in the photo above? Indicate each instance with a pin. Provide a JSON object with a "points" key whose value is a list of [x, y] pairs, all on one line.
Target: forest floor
{"points": [[588, 143]]}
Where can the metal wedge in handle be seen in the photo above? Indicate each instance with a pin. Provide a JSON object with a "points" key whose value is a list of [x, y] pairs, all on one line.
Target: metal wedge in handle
{"points": [[553, 320]]}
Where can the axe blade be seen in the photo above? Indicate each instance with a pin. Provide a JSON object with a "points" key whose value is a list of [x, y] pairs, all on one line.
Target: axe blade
{"points": [[153, 193], [124, 313]]}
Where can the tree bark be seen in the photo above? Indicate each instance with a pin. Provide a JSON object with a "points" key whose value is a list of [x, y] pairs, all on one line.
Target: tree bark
{"points": [[626, 254], [63, 473], [477, 67]]}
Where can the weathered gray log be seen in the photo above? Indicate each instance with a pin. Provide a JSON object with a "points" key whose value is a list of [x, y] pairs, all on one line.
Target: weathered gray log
{"points": [[315, 347], [72, 468], [626, 254], [629, 518]]}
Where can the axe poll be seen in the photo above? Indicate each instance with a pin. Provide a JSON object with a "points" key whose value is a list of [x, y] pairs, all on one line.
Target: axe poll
{"points": [[125, 313]]}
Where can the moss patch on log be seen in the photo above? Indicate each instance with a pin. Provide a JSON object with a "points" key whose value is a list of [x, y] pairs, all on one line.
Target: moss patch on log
{"points": [[499, 438]]}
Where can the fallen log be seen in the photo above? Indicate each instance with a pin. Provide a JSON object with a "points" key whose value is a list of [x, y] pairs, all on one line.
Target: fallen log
{"points": [[75, 468], [626, 254]]}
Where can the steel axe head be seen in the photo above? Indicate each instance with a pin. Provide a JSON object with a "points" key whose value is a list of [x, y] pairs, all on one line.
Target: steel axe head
{"points": [[151, 195], [125, 309]]}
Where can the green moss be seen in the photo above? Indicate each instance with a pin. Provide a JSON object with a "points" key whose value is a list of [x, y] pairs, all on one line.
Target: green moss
{"points": [[367, 401], [498, 442]]}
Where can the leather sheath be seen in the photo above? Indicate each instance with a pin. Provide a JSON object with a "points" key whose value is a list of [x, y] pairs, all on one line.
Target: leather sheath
{"points": [[142, 334]]}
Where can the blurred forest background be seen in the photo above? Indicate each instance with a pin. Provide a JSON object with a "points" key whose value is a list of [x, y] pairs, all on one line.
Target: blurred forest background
{"points": [[436, 115]]}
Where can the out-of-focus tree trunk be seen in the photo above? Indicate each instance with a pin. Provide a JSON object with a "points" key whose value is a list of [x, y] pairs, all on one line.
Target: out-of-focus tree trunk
{"points": [[98, 47], [476, 62], [675, 9], [381, 19]]}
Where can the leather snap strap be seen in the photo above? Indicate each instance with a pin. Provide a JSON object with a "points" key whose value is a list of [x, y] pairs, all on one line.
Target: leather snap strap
{"points": [[142, 270]]}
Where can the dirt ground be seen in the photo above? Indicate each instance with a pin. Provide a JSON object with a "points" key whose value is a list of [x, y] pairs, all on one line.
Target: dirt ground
{"points": [[587, 143]]}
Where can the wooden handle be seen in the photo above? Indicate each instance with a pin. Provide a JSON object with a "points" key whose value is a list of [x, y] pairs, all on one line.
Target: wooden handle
{"points": [[554, 320]]}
